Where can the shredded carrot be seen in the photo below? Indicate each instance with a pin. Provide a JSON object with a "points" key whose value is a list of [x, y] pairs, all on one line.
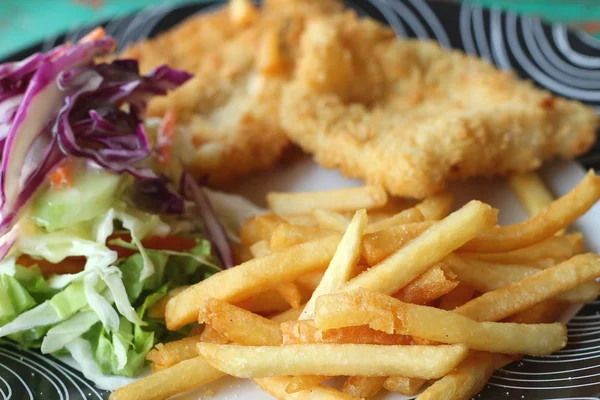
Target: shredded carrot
{"points": [[166, 136], [62, 176], [93, 35]]}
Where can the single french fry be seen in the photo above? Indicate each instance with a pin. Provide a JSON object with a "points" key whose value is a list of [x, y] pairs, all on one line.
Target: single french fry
{"points": [[306, 220], [267, 302], [181, 377], [310, 281], [305, 382], [168, 354], [237, 325], [260, 249], [259, 228], [365, 308], [380, 245], [305, 332], [457, 297], [158, 309], [342, 264], [331, 220], [363, 387], [557, 248], [334, 200], [287, 235], [531, 191], [544, 312], [558, 215], [429, 248], [291, 293], [436, 207], [409, 216], [289, 315], [211, 335], [250, 278], [276, 387], [486, 277], [333, 359], [519, 296], [432, 284], [466, 380], [403, 385], [393, 206], [288, 290]]}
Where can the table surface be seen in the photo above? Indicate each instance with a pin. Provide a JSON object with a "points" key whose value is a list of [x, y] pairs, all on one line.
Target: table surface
{"points": [[24, 22]]}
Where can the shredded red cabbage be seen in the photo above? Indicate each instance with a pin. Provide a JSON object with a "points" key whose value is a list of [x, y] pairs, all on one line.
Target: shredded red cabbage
{"points": [[61, 104], [214, 229]]}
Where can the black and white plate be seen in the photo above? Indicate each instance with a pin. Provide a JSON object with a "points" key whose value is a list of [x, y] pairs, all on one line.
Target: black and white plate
{"points": [[563, 61]]}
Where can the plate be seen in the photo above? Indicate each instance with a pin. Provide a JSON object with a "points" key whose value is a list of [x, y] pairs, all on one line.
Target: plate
{"points": [[565, 62]]}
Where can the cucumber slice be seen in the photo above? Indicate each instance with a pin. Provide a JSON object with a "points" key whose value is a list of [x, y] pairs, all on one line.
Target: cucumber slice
{"points": [[92, 194]]}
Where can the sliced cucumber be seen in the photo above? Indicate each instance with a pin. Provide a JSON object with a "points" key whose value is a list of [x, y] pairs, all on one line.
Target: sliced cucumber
{"points": [[92, 194]]}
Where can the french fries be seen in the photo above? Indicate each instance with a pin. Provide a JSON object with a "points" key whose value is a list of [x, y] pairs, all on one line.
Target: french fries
{"points": [[211, 335], [457, 297], [432, 284], [250, 278], [436, 207], [288, 290], [380, 245], [486, 277], [408, 216], [519, 296], [179, 378], [286, 236], [277, 388], [557, 216], [168, 354], [334, 200], [531, 191], [331, 220], [557, 248], [342, 265], [305, 332], [363, 387], [333, 359], [440, 240], [259, 228], [305, 382], [364, 308], [236, 324], [412, 296], [466, 380], [403, 385]]}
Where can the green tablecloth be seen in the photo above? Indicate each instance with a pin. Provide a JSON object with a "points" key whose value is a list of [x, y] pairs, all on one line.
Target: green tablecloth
{"points": [[24, 22]]}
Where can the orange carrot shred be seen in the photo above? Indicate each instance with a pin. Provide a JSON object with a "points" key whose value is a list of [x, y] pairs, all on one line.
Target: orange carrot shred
{"points": [[166, 136], [93, 35], [62, 176]]}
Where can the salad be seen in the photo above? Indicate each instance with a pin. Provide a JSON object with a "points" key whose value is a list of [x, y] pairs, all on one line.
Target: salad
{"points": [[92, 236]]}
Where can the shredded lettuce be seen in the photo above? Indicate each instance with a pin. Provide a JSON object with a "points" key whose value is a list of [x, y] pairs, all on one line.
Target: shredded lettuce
{"points": [[63, 333]]}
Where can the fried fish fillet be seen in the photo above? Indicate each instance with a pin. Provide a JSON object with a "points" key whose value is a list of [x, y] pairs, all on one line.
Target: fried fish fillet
{"points": [[228, 114], [411, 116]]}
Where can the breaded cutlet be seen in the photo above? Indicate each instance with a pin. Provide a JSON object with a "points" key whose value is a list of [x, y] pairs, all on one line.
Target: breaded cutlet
{"points": [[410, 115], [228, 114]]}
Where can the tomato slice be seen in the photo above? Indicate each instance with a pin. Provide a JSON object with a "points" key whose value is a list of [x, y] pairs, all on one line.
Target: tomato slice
{"points": [[69, 265]]}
